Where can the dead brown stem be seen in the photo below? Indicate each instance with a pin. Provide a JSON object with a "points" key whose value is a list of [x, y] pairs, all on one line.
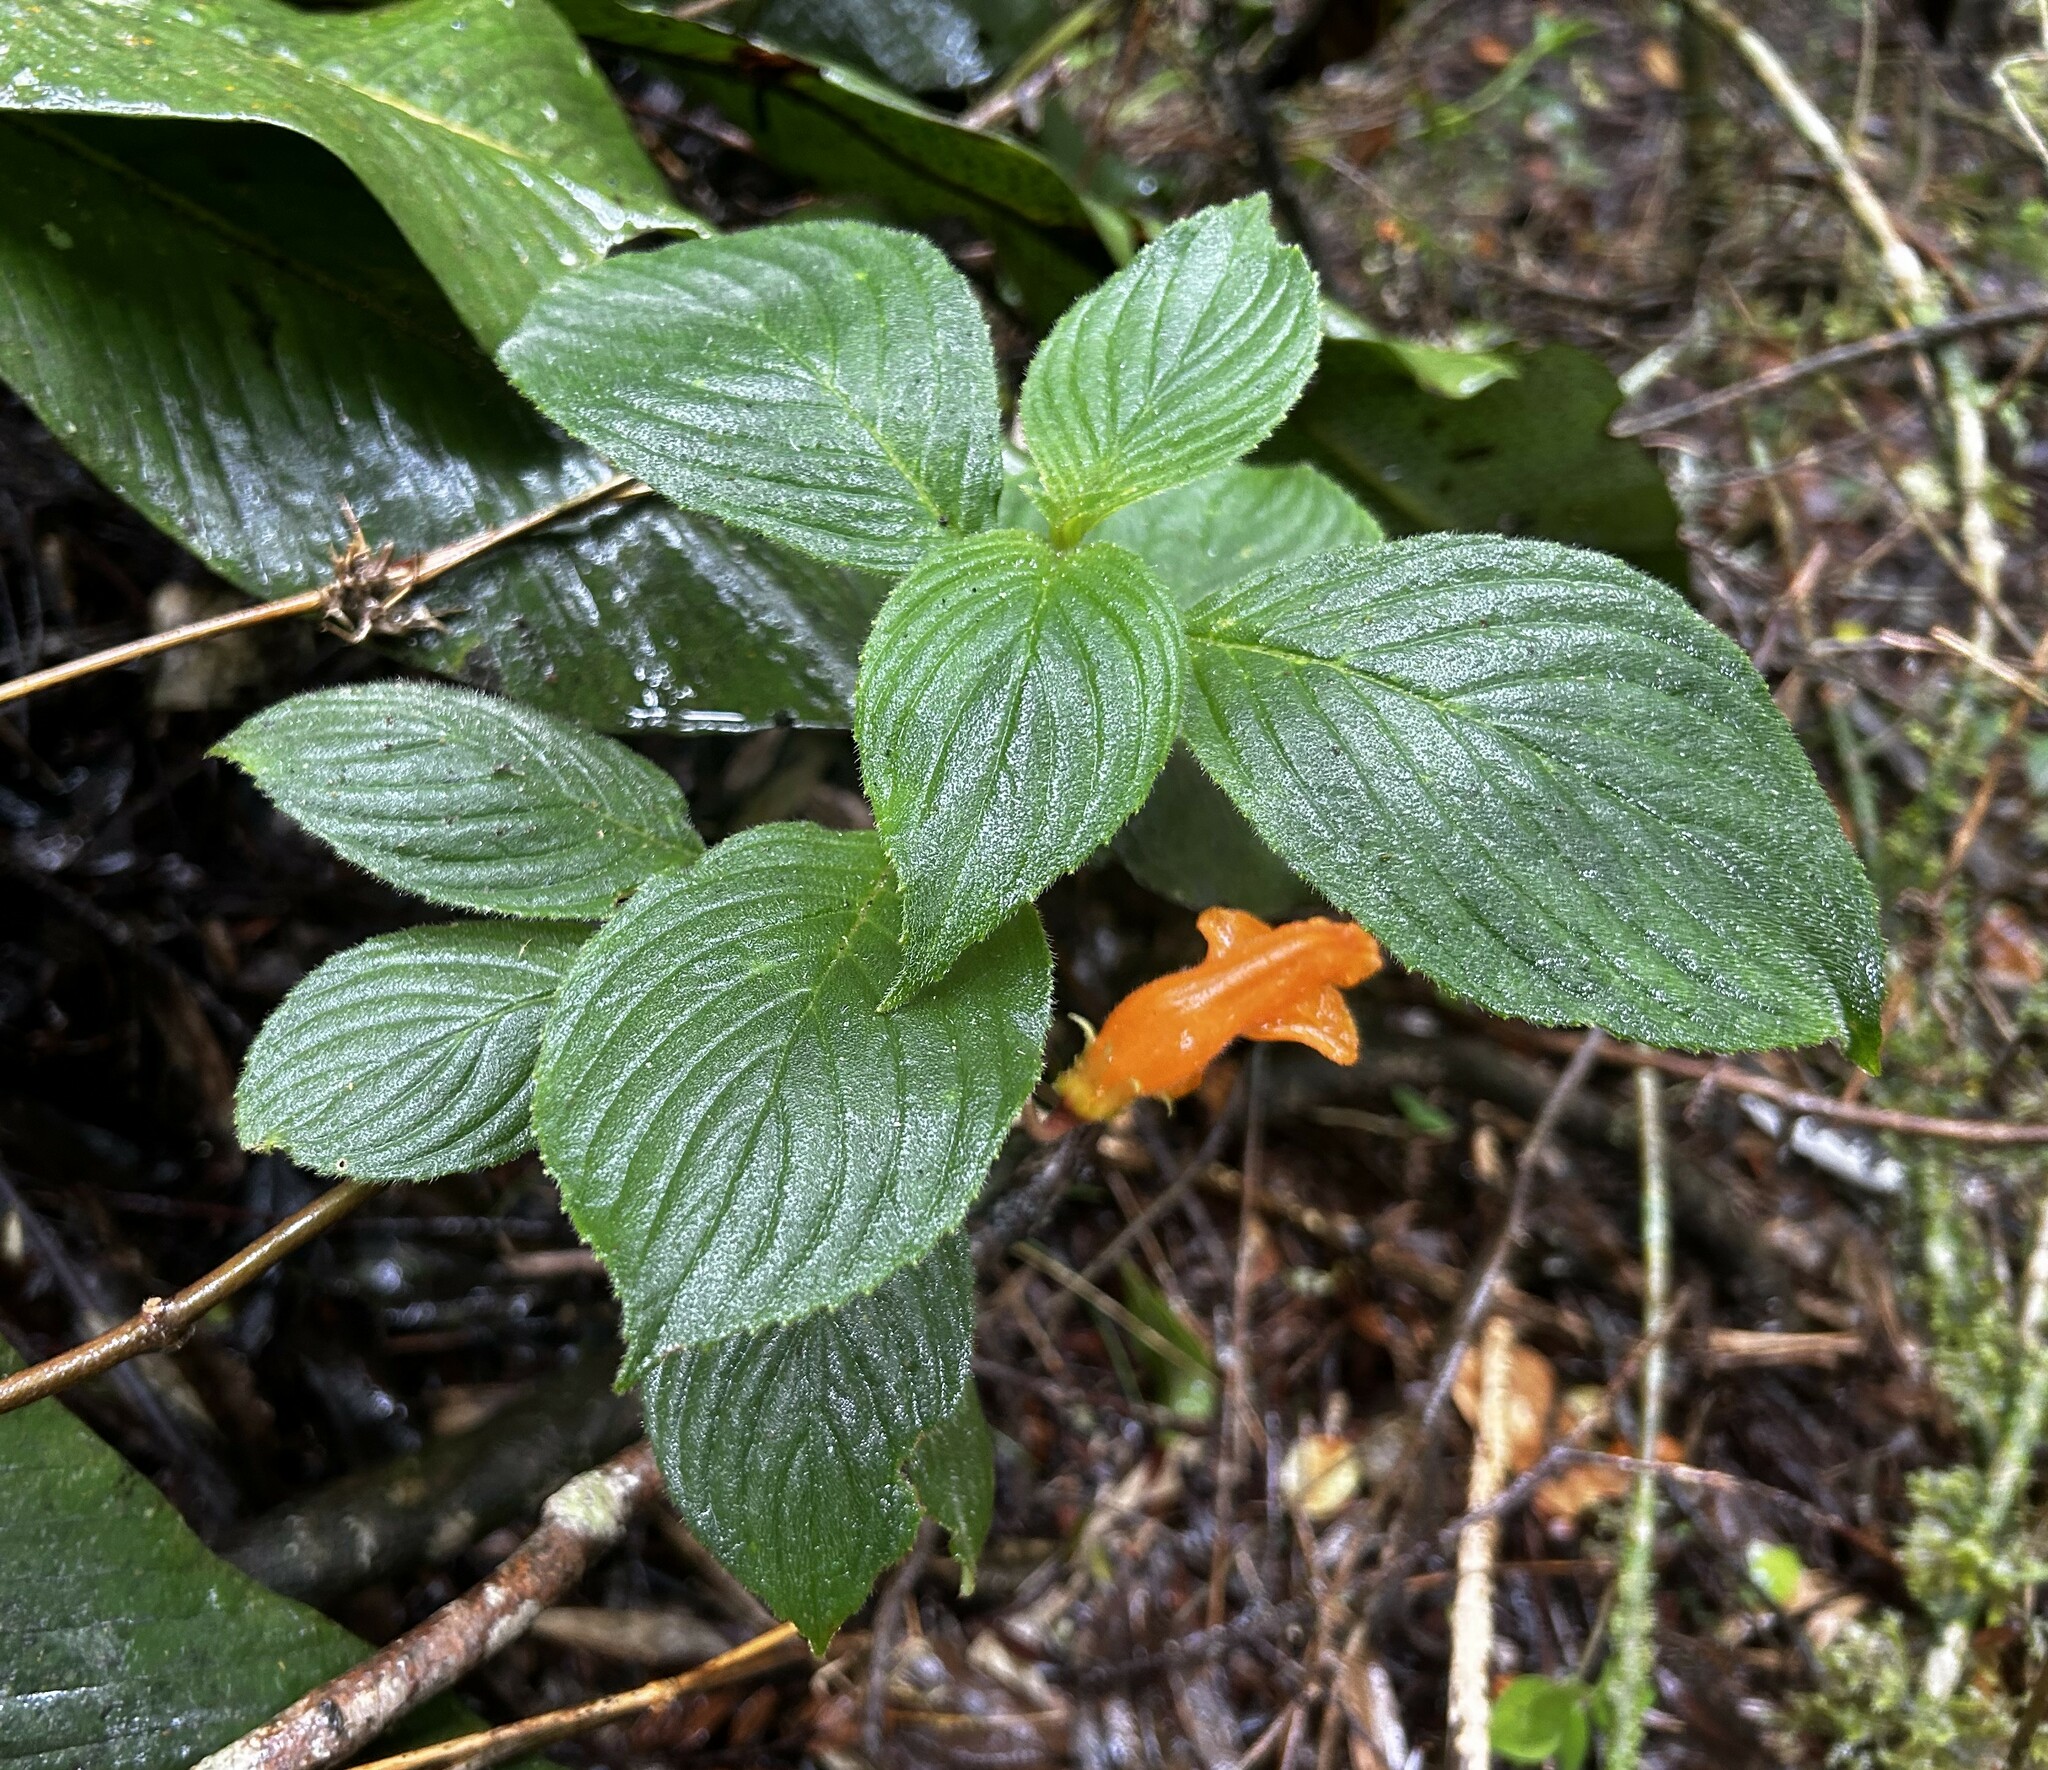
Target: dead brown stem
{"points": [[1840, 356], [766, 1652], [579, 1522], [1801, 1100], [1480, 1301], [164, 1321], [362, 598]]}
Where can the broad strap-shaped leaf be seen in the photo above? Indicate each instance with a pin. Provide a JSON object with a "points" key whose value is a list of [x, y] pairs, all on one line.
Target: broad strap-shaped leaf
{"points": [[837, 130], [467, 799], [1014, 706], [830, 384], [1526, 453], [129, 1645], [480, 125], [922, 45], [410, 1056], [233, 341], [785, 1449], [1540, 778], [1182, 361], [735, 1129], [1236, 521]]}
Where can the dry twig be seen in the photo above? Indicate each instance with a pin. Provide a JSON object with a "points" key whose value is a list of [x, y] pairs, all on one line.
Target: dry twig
{"points": [[1562, 1093], [1478, 1543], [365, 596], [579, 1522], [1840, 356], [1801, 1100], [767, 1652], [164, 1321]]}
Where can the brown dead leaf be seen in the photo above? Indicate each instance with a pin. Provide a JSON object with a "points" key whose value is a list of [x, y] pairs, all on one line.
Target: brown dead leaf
{"points": [[1532, 1397], [2008, 949], [1660, 63], [1488, 50]]}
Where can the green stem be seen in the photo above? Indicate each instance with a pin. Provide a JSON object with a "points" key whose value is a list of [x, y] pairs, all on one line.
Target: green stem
{"points": [[1629, 1672]]}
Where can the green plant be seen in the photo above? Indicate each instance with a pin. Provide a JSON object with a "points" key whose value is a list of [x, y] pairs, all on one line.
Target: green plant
{"points": [[1538, 1720], [773, 1079]]}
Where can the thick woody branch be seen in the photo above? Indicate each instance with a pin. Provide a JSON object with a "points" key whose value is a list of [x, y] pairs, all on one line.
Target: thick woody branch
{"points": [[580, 1521]]}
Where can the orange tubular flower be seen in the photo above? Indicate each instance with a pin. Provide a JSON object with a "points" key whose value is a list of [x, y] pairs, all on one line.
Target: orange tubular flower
{"points": [[1258, 982]]}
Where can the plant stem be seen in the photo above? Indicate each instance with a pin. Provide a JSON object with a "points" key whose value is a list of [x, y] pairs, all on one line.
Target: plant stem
{"points": [[1478, 1544], [2011, 1464], [1629, 1672], [163, 1321], [580, 1521], [358, 570]]}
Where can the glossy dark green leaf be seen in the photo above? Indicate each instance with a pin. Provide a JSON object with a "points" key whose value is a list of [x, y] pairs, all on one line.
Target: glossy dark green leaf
{"points": [[410, 1056], [1527, 455], [838, 131], [785, 1449], [922, 45], [735, 1129], [219, 323], [1015, 704], [1182, 361], [480, 125], [128, 1645], [1540, 778], [1228, 524], [829, 384], [467, 799]]}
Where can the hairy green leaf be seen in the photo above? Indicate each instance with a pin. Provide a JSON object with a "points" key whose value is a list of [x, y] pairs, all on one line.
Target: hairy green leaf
{"points": [[410, 1056], [735, 1129], [953, 1473], [1540, 778], [1182, 361], [1235, 521], [480, 125], [466, 799], [1189, 842], [224, 328], [785, 1448], [837, 130], [128, 1645], [1014, 706], [1526, 455], [829, 383]]}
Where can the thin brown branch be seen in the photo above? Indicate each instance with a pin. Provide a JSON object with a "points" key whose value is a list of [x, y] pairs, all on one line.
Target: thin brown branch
{"points": [[1840, 356], [1799, 1100], [164, 1321], [579, 1522], [768, 1652], [1480, 1300], [363, 597]]}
